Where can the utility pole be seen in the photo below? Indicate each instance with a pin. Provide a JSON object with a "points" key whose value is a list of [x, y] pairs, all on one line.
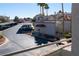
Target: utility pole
{"points": [[63, 16]]}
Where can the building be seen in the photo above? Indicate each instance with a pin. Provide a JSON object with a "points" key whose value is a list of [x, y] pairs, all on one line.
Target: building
{"points": [[66, 23], [53, 21], [44, 25]]}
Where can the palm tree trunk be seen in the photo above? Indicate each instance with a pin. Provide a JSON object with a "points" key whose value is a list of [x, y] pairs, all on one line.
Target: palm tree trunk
{"points": [[46, 12], [42, 10]]}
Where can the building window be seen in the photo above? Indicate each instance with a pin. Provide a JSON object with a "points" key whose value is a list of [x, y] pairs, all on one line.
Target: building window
{"points": [[40, 25]]}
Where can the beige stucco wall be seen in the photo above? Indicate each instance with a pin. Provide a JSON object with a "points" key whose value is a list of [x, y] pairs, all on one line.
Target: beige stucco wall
{"points": [[67, 26], [75, 29], [50, 28]]}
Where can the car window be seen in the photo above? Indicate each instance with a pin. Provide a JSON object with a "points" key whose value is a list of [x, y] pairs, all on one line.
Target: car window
{"points": [[24, 29]]}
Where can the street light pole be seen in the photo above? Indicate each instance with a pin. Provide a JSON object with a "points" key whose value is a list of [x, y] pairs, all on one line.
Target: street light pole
{"points": [[63, 16]]}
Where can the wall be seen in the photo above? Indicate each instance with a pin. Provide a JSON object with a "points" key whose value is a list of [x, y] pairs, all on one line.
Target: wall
{"points": [[50, 28], [59, 26], [75, 29], [67, 26]]}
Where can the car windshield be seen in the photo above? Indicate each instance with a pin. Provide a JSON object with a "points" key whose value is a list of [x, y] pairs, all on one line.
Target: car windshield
{"points": [[24, 29]]}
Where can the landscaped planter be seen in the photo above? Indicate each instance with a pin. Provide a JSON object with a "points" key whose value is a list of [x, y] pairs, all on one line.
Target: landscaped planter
{"points": [[2, 39]]}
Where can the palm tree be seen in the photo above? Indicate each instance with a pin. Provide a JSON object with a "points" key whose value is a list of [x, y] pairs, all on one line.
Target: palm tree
{"points": [[42, 5], [46, 7]]}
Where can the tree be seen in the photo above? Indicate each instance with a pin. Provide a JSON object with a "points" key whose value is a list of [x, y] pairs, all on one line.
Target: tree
{"points": [[16, 19], [46, 7], [4, 19], [60, 11], [42, 5], [33, 20]]}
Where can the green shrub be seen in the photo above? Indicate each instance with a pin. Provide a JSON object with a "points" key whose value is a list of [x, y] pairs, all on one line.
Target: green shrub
{"points": [[67, 35]]}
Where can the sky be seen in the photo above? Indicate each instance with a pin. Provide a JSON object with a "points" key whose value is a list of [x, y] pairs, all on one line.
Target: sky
{"points": [[29, 9]]}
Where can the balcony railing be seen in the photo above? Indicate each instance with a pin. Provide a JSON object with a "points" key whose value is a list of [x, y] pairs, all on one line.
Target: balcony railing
{"points": [[30, 49]]}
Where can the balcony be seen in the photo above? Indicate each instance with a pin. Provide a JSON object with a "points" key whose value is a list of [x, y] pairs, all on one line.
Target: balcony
{"points": [[46, 50]]}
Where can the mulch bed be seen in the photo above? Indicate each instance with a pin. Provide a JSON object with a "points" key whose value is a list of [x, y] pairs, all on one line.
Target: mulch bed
{"points": [[2, 39]]}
